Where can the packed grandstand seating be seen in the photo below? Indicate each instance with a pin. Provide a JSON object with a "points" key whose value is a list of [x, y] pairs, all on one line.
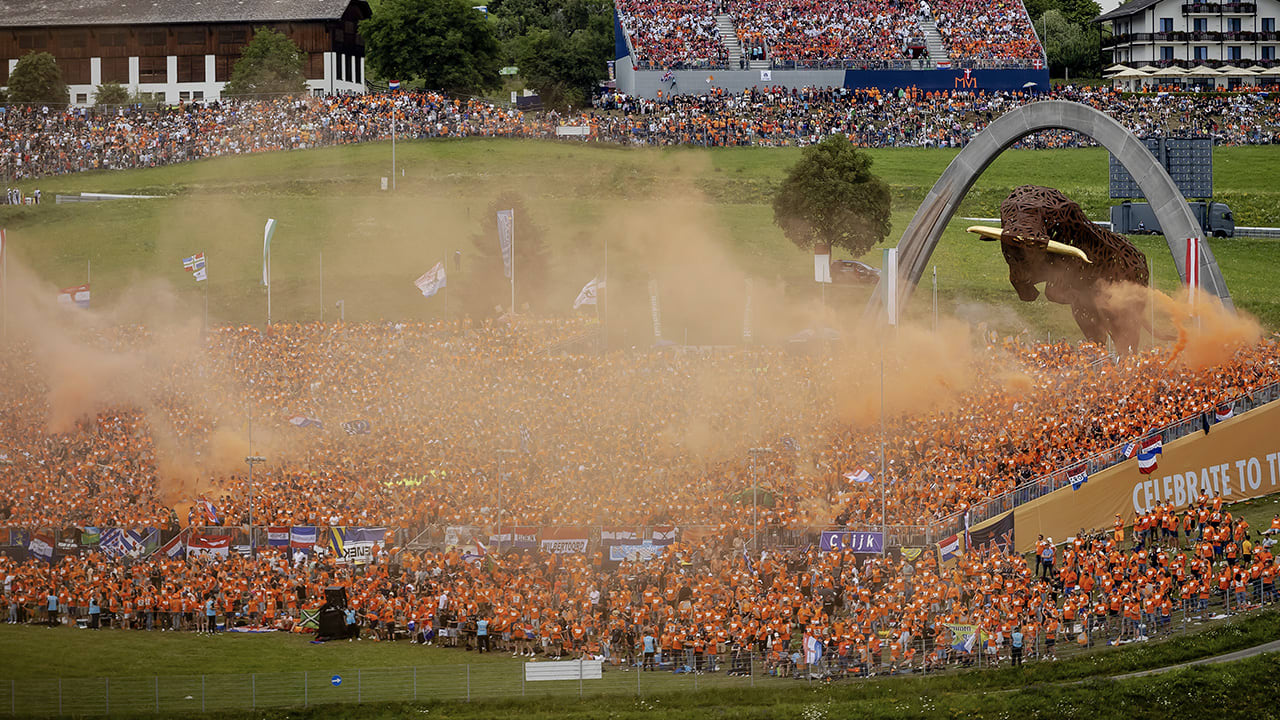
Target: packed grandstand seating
{"points": [[682, 34], [987, 30], [673, 34], [34, 143], [603, 441], [813, 33]]}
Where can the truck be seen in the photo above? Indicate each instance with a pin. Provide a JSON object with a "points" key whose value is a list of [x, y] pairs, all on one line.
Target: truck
{"points": [[1131, 218]]}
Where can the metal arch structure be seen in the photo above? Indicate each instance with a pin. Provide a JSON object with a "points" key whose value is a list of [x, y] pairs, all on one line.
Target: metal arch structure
{"points": [[1176, 220]]}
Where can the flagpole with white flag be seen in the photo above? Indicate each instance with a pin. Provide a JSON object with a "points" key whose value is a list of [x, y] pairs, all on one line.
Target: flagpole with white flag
{"points": [[266, 262], [513, 265], [4, 279]]}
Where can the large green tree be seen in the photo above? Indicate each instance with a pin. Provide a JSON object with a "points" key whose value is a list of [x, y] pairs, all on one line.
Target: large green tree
{"points": [[271, 64], [1072, 49], [563, 69], [831, 197], [38, 79], [560, 46], [446, 43]]}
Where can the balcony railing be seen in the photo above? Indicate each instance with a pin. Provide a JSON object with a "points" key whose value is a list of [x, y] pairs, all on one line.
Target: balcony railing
{"points": [[1235, 8], [1244, 36]]}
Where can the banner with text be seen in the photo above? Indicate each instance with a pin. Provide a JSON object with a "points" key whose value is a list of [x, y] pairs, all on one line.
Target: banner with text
{"points": [[1239, 458], [565, 540], [861, 542]]}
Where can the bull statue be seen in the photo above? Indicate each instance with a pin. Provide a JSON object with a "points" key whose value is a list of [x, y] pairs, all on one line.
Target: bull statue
{"points": [[1046, 238]]}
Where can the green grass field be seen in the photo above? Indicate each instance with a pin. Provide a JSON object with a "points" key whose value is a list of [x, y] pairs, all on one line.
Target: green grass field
{"points": [[80, 672], [658, 208]]}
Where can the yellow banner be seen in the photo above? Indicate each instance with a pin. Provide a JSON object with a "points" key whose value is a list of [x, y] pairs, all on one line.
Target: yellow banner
{"points": [[1239, 458]]}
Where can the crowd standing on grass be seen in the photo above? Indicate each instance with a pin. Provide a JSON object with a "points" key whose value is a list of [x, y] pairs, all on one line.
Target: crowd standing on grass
{"points": [[622, 438], [36, 143]]}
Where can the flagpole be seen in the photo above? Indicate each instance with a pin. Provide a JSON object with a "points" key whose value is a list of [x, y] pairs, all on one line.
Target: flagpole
{"points": [[935, 298], [321, 287], [393, 144], [604, 327], [268, 285], [206, 297], [513, 266], [884, 479], [4, 280]]}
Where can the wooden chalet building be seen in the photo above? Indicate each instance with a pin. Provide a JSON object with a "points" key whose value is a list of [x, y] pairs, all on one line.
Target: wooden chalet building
{"points": [[179, 50]]}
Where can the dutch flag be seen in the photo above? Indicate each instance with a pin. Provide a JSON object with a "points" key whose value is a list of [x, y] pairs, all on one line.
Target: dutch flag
{"points": [[859, 476], [1146, 463], [1152, 446], [393, 85], [1224, 412]]}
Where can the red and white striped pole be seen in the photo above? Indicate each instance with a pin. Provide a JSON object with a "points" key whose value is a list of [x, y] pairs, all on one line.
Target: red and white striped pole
{"points": [[1193, 268]]}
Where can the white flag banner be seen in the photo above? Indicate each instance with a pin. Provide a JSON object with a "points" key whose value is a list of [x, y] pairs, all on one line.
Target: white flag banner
{"points": [[506, 234], [655, 309], [266, 250], [889, 276], [432, 280], [822, 266], [589, 294]]}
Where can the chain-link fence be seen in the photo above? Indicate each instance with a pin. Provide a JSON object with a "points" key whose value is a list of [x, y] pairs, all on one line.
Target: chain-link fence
{"points": [[672, 671]]}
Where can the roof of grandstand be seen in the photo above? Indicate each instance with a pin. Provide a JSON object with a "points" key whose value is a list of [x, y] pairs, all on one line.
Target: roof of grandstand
{"points": [[25, 13]]}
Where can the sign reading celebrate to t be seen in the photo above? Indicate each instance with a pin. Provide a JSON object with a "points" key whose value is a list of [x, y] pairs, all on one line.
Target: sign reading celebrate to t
{"points": [[863, 542]]}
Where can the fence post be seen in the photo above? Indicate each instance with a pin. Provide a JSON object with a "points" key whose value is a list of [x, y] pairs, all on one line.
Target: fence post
{"points": [[751, 667], [304, 688], [579, 678]]}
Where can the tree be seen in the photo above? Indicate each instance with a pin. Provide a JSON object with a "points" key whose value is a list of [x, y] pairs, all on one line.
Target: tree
{"points": [[446, 43], [830, 197], [271, 64], [561, 46], [111, 94], [1071, 49], [38, 79], [486, 285], [563, 69]]}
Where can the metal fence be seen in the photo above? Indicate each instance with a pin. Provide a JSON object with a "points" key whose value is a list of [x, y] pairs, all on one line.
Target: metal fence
{"points": [[504, 679]]}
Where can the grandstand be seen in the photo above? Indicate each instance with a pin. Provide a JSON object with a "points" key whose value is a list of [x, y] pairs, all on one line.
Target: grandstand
{"points": [[685, 46]]}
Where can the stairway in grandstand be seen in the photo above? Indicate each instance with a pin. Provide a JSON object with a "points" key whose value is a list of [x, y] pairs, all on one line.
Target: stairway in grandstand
{"points": [[729, 38], [933, 40]]}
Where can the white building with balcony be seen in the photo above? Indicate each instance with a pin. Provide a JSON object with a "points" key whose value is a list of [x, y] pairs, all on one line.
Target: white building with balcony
{"points": [[1177, 34]]}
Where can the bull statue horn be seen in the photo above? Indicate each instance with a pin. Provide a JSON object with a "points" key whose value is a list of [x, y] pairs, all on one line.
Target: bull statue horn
{"points": [[984, 232], [1053, 246]]}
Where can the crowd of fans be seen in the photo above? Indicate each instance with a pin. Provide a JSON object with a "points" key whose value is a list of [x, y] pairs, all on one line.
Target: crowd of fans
{"points": [[623, 438], [682, 34], [37, 141], [809, 33], [673, 34], [987, 30]]}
